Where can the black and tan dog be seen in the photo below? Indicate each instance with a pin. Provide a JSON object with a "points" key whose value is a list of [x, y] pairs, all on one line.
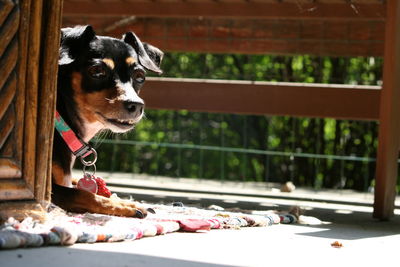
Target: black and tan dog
{"points": [[99, 81]]}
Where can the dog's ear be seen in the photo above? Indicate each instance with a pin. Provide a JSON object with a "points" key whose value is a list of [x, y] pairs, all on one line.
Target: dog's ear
{"points": [[155, 54], [149, 56], [73, 40]]}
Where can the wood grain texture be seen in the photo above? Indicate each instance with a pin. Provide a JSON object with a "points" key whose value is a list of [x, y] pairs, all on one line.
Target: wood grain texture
{"points": [[31, 97], [8, 148], [17, 189], [47, 98], [9, 23], [9, 169], [252, 36], [236, 9], [9, 29], [23, 45], [263, 98], [8, 62], [389, 118], [7, 126], [5, 8], [7, 94]]}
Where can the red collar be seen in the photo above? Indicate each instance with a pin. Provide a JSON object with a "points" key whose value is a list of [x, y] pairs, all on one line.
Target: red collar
{"points": [[77, 146]]}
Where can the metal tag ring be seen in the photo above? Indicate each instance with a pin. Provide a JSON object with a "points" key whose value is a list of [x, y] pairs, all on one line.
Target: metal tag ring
{"points": [[90, 162], [85, 172]]}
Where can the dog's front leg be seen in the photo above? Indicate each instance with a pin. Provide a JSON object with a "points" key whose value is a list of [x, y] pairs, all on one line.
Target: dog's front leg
{"points": [[60, 176], [75, 200], [72, 199]]}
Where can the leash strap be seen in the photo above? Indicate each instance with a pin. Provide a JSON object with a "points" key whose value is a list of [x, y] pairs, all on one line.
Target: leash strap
{"points": [[77, 146]]}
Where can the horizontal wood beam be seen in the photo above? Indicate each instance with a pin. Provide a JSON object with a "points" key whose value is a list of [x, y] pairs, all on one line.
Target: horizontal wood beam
{"points": [[274, 36], [267, 98], [270, 47], [334, 38], [233, 9]]}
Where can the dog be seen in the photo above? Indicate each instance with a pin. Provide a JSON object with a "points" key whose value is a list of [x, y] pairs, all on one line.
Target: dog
{"points": [[99, 80]]}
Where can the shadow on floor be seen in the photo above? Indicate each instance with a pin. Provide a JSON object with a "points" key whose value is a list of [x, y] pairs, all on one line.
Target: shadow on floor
{"points": [[67, 257], [353, 225]]}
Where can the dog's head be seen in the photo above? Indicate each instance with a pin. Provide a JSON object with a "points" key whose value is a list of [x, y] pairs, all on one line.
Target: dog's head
{"points": [[107, 74]]}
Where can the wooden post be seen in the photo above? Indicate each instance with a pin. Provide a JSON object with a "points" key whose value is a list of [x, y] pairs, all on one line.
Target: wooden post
{"points": [[389, 117], [29, 46]]}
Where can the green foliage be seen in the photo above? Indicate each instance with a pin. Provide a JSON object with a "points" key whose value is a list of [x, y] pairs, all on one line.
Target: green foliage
{"points": [[302, 136]]}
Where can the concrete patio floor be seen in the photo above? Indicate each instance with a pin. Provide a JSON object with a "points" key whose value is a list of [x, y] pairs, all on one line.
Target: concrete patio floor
{"points": [[366, 241]]}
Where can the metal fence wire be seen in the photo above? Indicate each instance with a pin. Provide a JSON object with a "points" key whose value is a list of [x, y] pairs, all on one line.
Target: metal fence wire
{"points": [[215, 148]]}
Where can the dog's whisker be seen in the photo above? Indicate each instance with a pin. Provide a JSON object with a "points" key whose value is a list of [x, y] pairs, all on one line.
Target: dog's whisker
{"points": [[100, 138]]}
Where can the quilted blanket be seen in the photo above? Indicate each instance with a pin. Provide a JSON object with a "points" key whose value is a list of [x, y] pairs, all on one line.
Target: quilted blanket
{"points": [[61, 228]]}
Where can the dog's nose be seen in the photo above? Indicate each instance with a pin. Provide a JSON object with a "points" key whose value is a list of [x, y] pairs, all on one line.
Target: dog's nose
{"points": [[134, 107]]}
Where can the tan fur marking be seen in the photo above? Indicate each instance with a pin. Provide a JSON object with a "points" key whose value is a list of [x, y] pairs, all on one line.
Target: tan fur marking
{"points": [[109, 62], [81, 99], [88, 103], [130, 61], [74, 180], [59, 176]]}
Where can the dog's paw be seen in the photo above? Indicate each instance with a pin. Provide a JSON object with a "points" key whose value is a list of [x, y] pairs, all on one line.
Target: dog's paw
{"points": [[140, 213], [138, 210]]}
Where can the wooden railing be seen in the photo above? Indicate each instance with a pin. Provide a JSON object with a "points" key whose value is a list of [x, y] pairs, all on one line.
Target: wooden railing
{"points": [[266, 98], [279, 99]]}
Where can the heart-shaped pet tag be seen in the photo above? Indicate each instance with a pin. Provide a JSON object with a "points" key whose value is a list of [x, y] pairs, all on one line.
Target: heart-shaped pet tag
{"points": [[87, 183]]}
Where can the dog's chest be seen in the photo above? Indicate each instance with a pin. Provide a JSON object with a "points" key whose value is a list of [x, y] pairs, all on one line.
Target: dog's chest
{"points": [[91, 129]]}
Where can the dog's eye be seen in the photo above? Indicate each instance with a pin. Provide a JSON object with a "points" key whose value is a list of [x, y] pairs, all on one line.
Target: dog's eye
{"points": [[139, 76], [97, 71]]}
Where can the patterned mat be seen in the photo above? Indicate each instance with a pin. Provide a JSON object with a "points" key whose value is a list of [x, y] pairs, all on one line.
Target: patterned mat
{"points": [[61, 228]]}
